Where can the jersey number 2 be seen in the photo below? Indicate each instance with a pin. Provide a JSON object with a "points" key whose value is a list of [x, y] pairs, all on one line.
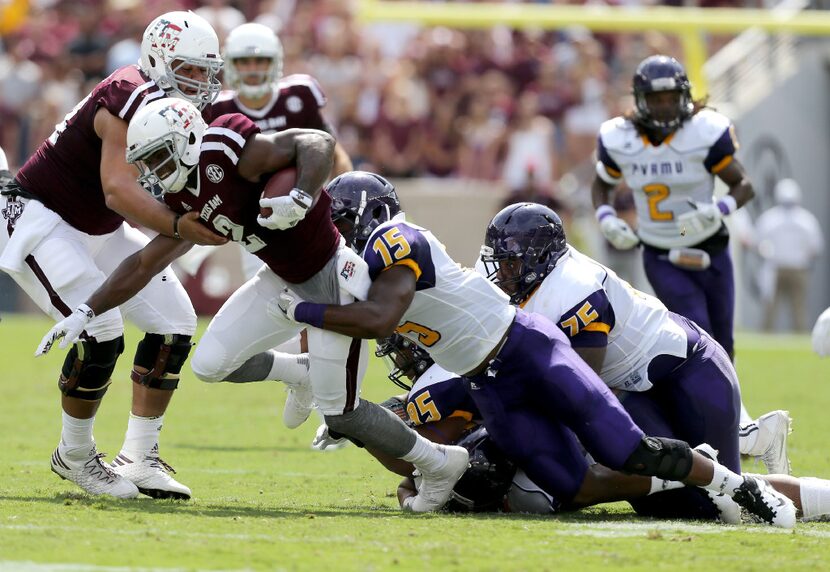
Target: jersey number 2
{"points": [[226, 226], [656, 194]]}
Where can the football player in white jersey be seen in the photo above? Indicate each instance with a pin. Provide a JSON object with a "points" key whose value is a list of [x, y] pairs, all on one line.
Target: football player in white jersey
{"points": [[535, 394], [668, 150], [627, 337]]}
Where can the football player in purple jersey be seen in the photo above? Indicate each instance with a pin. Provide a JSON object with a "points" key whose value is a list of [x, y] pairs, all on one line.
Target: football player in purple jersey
{"points": [[65, 231], [219, 172]]}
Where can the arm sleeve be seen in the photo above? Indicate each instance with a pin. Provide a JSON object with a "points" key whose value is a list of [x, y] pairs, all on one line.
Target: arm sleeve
{"points": [[400, 244], [589, 322], [607, 169], [722, 151]]}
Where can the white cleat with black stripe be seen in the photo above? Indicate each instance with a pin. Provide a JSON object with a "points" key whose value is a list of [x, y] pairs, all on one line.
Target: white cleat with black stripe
{"points": [[772, 429], [151, 475], [83, 466]]}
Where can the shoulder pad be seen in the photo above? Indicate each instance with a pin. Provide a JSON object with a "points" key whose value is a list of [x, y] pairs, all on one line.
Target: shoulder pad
{"points": [[620, 135], [700, 131], [297, 83]]}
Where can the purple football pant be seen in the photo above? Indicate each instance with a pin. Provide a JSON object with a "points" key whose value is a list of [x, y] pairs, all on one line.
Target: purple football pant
{"points": [[706, 297], [698, 401], [537, 397]]}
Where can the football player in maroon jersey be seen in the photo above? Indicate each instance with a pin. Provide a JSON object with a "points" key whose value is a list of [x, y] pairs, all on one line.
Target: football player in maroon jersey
{"points": [[65, 231], [219, 172], [253, 58]]}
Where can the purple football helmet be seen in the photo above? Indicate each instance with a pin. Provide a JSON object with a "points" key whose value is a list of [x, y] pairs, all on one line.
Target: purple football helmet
{"points": [[361, 201], [658, 74], [527, 239], [404, 358]]}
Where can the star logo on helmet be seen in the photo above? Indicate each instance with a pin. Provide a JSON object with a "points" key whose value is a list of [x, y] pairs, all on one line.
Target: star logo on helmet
{"points": [[214, 173]]}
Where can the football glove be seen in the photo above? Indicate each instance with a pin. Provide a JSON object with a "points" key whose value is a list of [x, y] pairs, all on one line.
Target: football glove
{"points": [[70, 329], [283, 306], [821, 334], [323, 441], [286, 211], [618, 233]]}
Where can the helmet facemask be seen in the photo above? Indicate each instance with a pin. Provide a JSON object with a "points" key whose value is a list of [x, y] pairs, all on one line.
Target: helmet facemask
{"points": [[163, 141], [198, 92], [159, 163], [404, 359]]}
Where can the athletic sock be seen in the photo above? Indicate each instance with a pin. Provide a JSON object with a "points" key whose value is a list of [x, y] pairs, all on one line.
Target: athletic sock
{"points": [[815, 498], [426, 456], [291, 369], [142, 435], [659, 485], [724, 481], [76, 432]]}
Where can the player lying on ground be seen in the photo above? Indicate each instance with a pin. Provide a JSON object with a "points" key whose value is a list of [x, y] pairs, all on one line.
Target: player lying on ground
{"points": [[220, 172], [519, 368], [439, 408]]}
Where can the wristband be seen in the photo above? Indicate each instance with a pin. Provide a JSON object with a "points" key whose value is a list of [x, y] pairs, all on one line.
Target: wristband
{"points": [[727, 205], [176, 226], [310, 313], [604, 211]]}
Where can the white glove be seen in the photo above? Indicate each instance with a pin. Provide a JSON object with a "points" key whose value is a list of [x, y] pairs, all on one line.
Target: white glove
{"points": [[283, 306], [70, 329], [287, 211], [821, 334], [618, 233], [708, 212], [323, 441]]}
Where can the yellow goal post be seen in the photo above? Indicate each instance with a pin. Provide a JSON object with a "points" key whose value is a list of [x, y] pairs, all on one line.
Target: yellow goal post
{"points": [[689, 24]]}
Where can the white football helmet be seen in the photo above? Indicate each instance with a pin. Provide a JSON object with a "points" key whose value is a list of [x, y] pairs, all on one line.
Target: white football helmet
{"points": [[178, 40], [252, 41], [163, 141]]}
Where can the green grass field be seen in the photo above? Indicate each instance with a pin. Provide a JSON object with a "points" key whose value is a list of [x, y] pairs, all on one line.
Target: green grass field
{"points": [[264, 501]]}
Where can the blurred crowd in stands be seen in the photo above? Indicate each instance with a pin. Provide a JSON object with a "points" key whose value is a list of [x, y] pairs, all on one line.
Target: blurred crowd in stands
{"points": [[522, 107]]}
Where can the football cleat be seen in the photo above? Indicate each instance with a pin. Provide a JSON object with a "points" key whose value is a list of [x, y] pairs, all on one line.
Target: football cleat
{"points": [[729, 512], [151, 475], [764, 503], [83, 466], [771, 443], [436, 487], [298, 403]]}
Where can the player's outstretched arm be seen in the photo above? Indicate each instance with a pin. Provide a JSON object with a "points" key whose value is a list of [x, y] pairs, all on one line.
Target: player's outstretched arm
{"points": [[389, 297], [125, 282], [126, 197], [136, 271], [310, 150]]}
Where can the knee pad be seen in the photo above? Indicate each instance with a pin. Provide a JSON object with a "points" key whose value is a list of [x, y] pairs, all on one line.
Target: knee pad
{"points": [[668, 459], [163, 356], [88, 367]]}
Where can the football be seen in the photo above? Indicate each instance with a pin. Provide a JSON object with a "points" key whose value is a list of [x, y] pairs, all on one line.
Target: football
{"points": [[279, 185]]}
